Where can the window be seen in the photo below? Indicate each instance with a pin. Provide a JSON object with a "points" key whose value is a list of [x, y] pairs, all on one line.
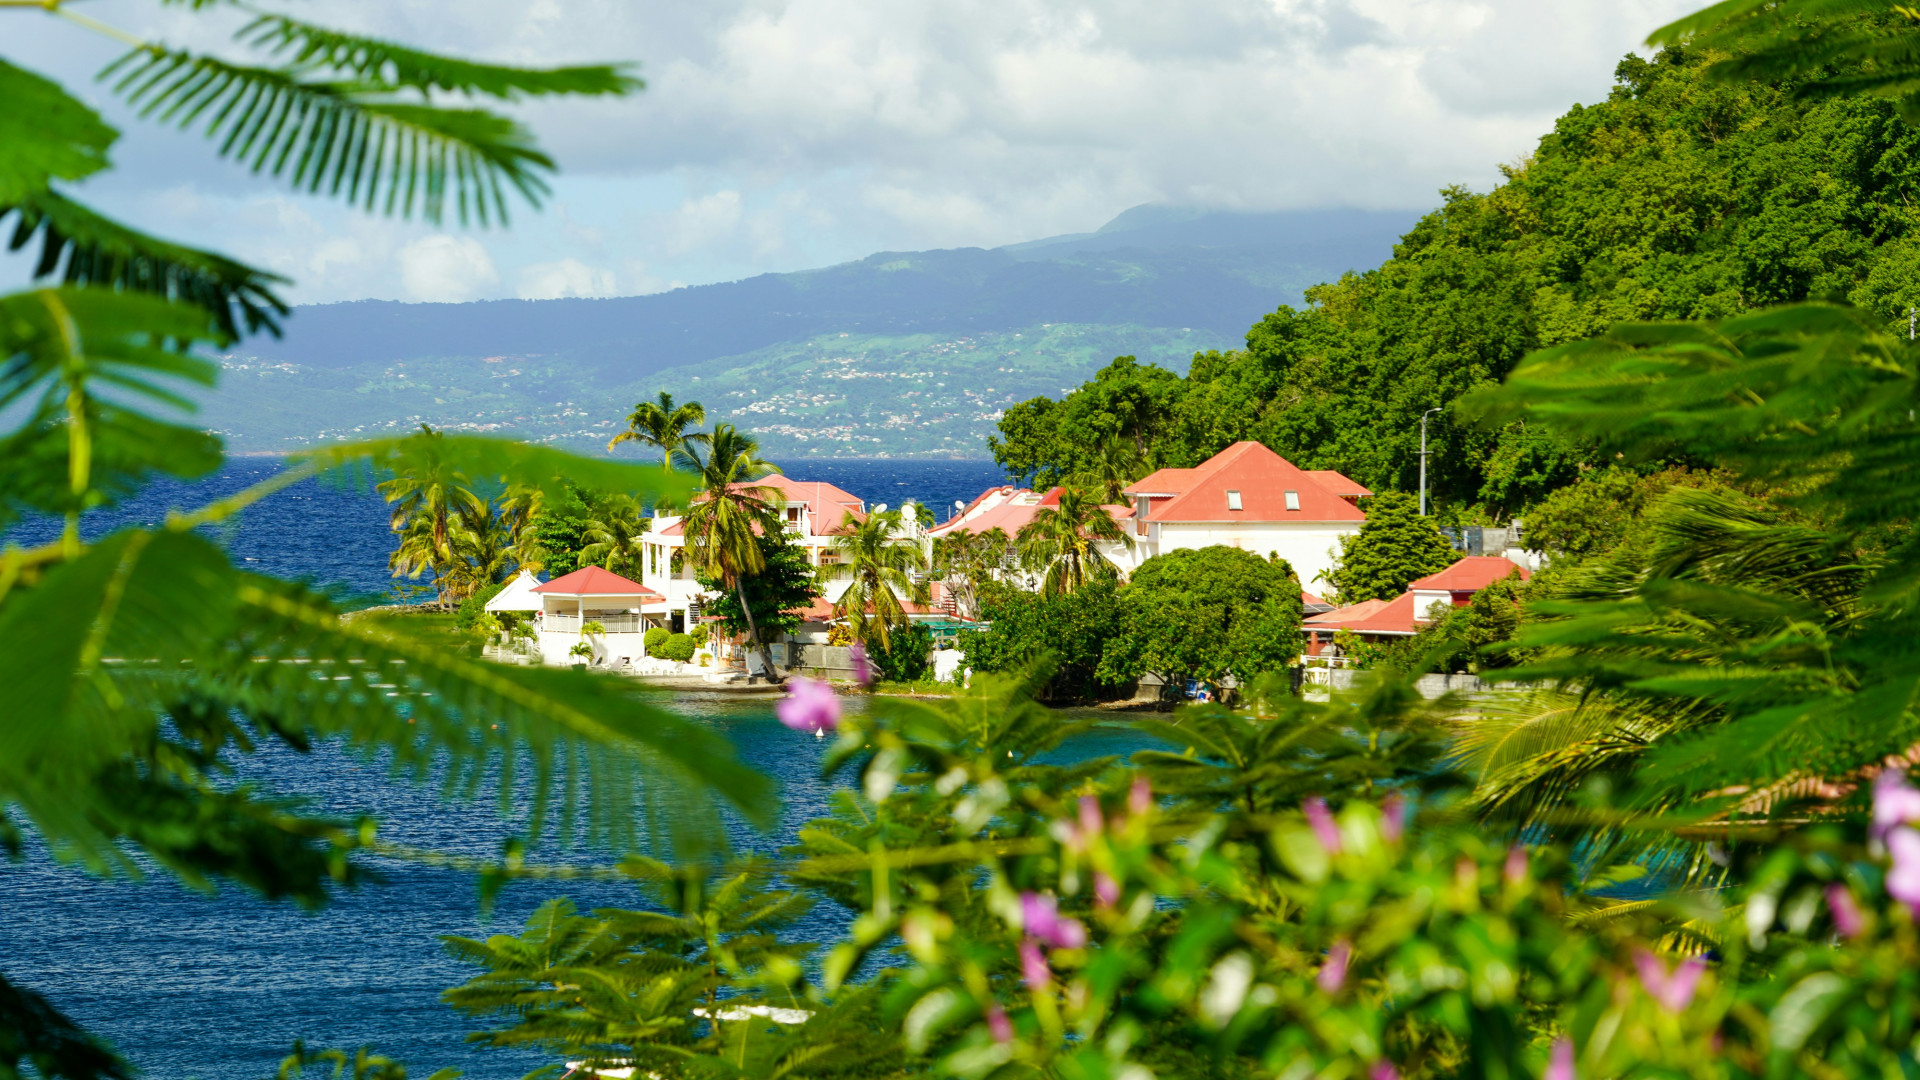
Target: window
{"points": [[1233, 500], [1293, 500], [793, 514]]}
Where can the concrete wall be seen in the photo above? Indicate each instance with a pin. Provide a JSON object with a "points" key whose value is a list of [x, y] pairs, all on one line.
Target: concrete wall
{"points": [[1429, 686]]}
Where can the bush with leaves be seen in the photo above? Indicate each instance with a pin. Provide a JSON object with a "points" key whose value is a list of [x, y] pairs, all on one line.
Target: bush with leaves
{"points": [[655, 636], [678, 648], [1394, 546], [1073, 629], [907, 658], [1206, 613]]}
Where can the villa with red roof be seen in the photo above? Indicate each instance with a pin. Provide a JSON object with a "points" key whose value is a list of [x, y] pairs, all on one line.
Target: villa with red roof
{"points": [[1248, 497], [623, 608], [1410, 612], [811, 510]]}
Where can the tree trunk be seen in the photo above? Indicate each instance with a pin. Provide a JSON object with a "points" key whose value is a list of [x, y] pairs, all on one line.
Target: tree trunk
{"points": [[753, 634]]}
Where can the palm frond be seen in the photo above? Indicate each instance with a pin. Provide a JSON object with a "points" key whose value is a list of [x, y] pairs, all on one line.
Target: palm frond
{"points": [[49, 135], [85, 249], [349, 139]]}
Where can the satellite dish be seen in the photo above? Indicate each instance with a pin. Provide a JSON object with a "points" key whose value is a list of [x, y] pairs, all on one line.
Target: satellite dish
{"points": [[880, 509]]}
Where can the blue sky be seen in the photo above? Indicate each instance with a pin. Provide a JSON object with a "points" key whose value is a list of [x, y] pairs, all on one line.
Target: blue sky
{"points": [[784, 134]]}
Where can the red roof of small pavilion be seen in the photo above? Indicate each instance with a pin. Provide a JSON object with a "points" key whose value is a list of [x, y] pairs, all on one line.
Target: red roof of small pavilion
{"points": [[1471, 574], [594, 581]]}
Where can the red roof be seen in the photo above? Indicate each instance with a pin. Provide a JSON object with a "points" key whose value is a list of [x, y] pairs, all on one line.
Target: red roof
{"points": [[1309, 598], [1262, 479], [1010, 517], [1471, 574], [1338, 484], [593, 581], [1394, 616], [827, 506]]}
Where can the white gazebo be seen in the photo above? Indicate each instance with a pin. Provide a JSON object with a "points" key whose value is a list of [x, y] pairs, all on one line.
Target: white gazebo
{"points": [[624, 609], [519, 594]]}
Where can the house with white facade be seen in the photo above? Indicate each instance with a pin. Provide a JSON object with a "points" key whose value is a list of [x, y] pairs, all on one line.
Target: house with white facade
{"points": [[624, 610], [810, 510], [1251, 498], [1412, 611]]}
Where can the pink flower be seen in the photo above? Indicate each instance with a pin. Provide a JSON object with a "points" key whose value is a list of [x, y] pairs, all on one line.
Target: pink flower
{"points": [[1333, 973], [1040, 917], [1393, 820], [1091, 823], [1323, 824], [998, 1024], [1561, 1065], [1674, 991], [1903, 877], [862, 669], [1846, 913], [1033, 965], [809, 705], [1895, 802], [1106, 891], [1516, 868], [1383, 1070], [1140, 797]]}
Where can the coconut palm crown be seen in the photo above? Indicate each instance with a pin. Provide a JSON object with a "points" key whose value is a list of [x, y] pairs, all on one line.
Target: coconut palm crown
{"points": [[662, 424], [1063, 540], [878, 568]]}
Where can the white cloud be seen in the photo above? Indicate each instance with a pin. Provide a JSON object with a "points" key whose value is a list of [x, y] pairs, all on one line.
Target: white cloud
{"points": [[567, 277], [782, 133], [446, 268]]}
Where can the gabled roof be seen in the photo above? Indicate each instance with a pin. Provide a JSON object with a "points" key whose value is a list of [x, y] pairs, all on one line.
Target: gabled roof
{"points": [[518, 595], [1395, 616], [593, 581], [1338, 484], [1261, 477], [1017, 508], [827, 506], [1471, 574]]}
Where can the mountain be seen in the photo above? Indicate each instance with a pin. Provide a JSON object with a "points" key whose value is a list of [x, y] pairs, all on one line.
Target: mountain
{"points": [[897, 353]]}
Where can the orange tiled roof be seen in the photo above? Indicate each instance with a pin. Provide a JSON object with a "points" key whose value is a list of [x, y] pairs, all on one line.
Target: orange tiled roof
{"points": [[593, 581], [1261, 477], [1471, 574]]}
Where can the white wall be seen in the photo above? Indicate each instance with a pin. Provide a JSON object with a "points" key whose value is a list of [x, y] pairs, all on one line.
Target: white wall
{"points": [[1310, 548]]}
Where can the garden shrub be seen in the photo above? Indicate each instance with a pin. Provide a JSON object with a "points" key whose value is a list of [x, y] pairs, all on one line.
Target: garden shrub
{"points": [[654, 636], [677, 647], [909, 660], [475, 606]]}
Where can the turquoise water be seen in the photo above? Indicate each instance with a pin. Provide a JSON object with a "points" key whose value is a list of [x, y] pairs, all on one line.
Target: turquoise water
{"points": [[219, 986]]}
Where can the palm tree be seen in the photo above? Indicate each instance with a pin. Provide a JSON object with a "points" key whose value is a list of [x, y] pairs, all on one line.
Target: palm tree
{"points": [[613, 536], [521, 508], [879, 569], [1063, 540], [431, 498], [725, 520], [663, 424], [484, 551], [1116, 463], [964, 559]]}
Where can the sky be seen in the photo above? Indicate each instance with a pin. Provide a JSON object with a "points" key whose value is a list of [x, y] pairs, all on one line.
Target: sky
{"points": [[778, 135]]}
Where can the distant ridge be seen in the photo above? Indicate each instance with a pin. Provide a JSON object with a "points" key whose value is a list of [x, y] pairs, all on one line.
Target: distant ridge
{"points": [[1153, 266]]}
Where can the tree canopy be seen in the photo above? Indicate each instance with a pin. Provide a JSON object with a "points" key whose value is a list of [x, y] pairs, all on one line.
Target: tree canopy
{"points": [[1394, 546], [1206, 613]]}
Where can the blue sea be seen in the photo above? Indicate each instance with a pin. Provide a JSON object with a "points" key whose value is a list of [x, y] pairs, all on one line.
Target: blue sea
{"points": [[192, 985]]}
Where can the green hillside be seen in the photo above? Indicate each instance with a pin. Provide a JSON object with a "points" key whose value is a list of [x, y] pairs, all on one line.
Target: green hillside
{"points": [[843, 394], [1674, 198]]}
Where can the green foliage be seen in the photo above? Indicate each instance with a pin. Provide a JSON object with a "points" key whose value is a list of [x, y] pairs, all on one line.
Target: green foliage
{"points": [[1048, 441], [1063, 542], [663, 425], [560, 529], [1206, 613], [1679, 196], [652, 639], [474, 608], [1073, 629], [35, 1034], [783, 588], [677, 647], [1394, 546], [907, 657]]}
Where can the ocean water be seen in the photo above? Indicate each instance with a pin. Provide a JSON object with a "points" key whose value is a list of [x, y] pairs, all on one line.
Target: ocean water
{"points": [[191, 985]]}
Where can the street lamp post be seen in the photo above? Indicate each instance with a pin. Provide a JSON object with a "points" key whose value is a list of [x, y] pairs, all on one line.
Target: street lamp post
{"points": [[1423, 460]]}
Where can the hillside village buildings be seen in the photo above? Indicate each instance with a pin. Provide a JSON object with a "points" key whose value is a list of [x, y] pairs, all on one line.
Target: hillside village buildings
{"points": [[1410, 612]]}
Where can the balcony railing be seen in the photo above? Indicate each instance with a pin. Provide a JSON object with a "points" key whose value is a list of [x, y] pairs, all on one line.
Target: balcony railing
{"points": [[612, 624]]}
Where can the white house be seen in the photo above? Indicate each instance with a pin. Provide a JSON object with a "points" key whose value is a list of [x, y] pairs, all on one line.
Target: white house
{"points": [[624, 609], [811, 511], [1010, 509], [1247, 497]]}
